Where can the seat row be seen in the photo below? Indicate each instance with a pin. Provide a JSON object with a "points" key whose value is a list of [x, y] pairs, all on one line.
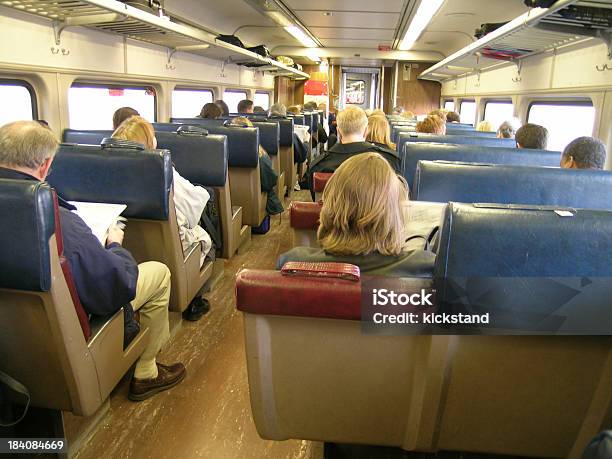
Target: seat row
{"points": [[532, 266]]}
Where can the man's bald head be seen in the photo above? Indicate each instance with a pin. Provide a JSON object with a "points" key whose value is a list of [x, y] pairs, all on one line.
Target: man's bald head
{"points": [[26, 144]]}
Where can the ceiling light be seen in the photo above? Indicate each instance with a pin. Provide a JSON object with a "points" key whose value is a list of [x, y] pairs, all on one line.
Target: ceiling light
{"points": [[426, 11], [301, 36], [328, 13]]}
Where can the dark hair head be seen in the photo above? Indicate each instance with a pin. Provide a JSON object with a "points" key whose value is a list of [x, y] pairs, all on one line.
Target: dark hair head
{"points": [[587, 153], [532, 136], [123, 114], [245, 105], [258, 109], [210, 111], [310, 106], [223, 106], [453, 117]]}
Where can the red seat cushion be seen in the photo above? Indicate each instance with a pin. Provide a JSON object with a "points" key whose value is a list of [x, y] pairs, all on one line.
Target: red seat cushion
{"points": [[304, 215], [319, 180]]}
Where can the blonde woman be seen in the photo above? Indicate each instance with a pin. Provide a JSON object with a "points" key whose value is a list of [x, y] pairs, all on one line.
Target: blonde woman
{"points": [[379, 132], [433, 124], [358, 227], [485, 126], [189, 200]]}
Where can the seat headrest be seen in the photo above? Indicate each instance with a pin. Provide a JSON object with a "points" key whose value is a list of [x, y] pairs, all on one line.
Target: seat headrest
{"points": [[109, 142], [442, 181], [141, 179], [192, 130], [404, 137], [271, 292], [269, 136], [533, 268], [304, 215], [413, 152], [319, 180], [85, 137], [27, 221], [199, 157], [242, 142]]}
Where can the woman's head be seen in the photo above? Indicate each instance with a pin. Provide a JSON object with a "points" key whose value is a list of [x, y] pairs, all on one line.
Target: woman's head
{"points": [[378, 112], [122, 114], [294, 110], [362, 208], [137, 129], [223, 106], [485, 126], [433, 124], [379, 131], [210, 111], [245, 122], [407, 114]]}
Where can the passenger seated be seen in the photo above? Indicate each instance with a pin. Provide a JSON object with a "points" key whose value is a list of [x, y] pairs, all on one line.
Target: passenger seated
{"points": [[453, 117], [352, 130], [440, 113], [267, 174], [485, 126], [378, 112], [584, 153], [189, 200], [123, 114], [245, 106], [106, 277], [210, 111], [433, 124], [223, 106], [278, 110], [294, 110], [532, 136], [408, 115], [507, 129], [379, 132], [258, 109], [398, 110], [362, 222]]}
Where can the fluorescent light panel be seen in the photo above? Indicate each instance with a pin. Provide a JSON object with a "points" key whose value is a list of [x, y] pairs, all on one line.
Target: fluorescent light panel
{"points": [[301, 36], [426, 11]]}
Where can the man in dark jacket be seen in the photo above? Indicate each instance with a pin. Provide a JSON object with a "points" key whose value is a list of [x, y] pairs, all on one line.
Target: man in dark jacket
{"points": [[352, 129], [106, 277]]}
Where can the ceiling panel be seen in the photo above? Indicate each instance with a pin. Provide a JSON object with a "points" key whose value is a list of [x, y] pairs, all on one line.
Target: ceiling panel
{"points": [[354, 43], [345, 5], [348, 33], [349, 19]]}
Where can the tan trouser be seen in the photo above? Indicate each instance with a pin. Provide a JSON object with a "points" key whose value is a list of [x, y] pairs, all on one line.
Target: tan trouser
{"points": [[152, 296]]}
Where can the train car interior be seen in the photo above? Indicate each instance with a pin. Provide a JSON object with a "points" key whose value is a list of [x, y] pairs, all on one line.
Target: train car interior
{"points": [[307, 229]]}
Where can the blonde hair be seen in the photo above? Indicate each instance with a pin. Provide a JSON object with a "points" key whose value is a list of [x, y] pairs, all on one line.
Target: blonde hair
{"points": [[137, 129], [379, 131], [243, 121], [408, 115], [362, 208], [433, 124], [294, 109], [485, 126], [378, 112], [352, 120], [440, 112]]}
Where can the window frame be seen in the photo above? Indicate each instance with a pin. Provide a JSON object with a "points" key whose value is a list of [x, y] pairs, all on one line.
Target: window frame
{"points": [[496, 101], [235, 91], [85, 84], [268, 93], [475, 109], [187, 88], [583, 102], [28, 86], [448, 100]]}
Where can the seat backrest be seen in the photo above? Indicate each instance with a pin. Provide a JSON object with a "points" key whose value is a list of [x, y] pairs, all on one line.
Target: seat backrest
{"points": [[298, 119], [319, 180], [470, 132], [242, 142], [404, 137], [139, 178], [442, 181], [40, 329], [531, 267], [414, 152], [304, 215]]}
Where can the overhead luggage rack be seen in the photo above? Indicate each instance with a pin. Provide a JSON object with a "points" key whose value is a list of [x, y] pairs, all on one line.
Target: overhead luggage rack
{"points": [[117, 17], [536, 31]]}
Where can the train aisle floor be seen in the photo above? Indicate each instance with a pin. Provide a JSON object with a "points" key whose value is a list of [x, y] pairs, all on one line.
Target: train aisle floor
{"points": [[209, 414]]}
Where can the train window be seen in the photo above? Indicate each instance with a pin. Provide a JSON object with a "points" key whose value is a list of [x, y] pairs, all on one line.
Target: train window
{"points": [[262, 99], [18, 101], [564, 120], [231, 97], [498, 111], [187, 103], [91, 106], [467, 111], [449, 105]]}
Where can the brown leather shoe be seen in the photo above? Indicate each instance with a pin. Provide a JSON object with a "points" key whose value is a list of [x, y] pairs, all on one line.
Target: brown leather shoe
{"points": [[167, 376]]}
